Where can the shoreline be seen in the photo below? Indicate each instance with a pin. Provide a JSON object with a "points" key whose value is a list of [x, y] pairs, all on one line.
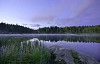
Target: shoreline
{"points": [[30, 35]]}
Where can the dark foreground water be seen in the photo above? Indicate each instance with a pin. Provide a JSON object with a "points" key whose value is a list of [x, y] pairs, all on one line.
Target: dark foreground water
{"points": [[89, 45]]}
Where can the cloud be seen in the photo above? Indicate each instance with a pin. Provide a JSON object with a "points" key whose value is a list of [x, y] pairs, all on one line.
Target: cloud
{"points": [[42, 18], [34, 25], [88, 15], [50, 13], [72, 14], [25, 24], [63, 9]]}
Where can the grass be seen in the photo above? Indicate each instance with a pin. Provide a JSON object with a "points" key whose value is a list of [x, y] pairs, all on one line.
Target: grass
{"points": [[26, 52]]}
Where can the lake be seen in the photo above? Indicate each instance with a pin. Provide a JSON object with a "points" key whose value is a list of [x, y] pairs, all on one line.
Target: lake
{"points": [[88, 45]]}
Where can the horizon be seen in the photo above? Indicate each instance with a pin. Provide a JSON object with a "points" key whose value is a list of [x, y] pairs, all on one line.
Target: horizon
{"points": [[48, 26], [45, 13]]}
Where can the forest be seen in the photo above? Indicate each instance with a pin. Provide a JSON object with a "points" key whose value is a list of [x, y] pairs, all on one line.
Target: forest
{"points": [[11, 28], [17, 29]]}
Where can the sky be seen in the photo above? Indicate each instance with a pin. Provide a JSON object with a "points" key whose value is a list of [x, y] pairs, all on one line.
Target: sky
{"points": [[45, 13]]}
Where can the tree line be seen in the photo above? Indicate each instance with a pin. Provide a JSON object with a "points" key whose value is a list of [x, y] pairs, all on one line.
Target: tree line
{"points": [[10, 28], [71, 29]]}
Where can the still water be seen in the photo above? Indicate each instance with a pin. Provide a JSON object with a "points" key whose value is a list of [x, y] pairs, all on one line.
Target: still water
{"points": [[89, 45]]}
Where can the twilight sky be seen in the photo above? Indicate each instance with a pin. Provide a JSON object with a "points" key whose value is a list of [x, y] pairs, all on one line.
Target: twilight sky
{"points": [[41, 13]]}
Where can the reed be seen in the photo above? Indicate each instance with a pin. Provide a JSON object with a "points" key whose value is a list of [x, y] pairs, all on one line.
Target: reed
{"points": [[26, 52]]}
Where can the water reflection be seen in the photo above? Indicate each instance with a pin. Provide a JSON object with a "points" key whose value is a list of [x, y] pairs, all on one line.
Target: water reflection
{"points": [[70, 38], [83, 44], [91, 49]]}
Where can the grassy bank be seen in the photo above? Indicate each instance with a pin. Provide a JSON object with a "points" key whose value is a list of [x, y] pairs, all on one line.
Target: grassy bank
{"points": [[26, 52]]}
